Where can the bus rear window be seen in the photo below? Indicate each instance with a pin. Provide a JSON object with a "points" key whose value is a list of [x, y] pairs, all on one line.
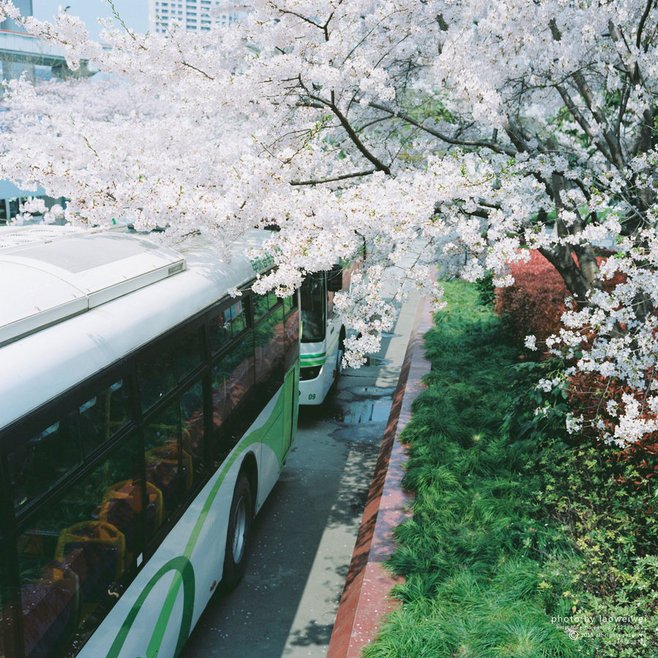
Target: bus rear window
{"points": [[313, 292]]}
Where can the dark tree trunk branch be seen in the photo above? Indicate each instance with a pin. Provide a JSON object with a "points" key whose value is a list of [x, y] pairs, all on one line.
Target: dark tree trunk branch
{"points": [[320, 181], [497, 148]]}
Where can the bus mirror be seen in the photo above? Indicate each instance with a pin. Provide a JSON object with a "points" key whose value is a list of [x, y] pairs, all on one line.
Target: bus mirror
{"points": [[335, 279]]}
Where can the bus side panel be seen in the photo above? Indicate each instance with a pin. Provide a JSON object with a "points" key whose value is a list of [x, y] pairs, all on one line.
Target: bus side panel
{"points": [[269, 466], [278, 438], [161, 606]]}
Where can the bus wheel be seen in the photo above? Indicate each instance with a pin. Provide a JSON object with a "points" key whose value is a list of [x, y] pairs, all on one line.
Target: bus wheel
{"points": [[239, 532]]}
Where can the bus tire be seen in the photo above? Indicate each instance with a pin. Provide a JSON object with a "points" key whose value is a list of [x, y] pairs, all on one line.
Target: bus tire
{"points": [[240, 524]]}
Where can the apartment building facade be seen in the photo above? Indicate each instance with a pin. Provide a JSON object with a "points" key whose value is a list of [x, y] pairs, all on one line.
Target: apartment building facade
{"points": [[194, 15]]}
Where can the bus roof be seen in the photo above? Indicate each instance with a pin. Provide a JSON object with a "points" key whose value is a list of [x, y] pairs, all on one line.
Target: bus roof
{"points": [[74, 302], [53, 279]]}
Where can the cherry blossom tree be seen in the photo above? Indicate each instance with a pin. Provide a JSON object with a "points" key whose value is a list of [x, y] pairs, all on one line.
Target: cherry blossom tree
{"points": [[463, 132]]}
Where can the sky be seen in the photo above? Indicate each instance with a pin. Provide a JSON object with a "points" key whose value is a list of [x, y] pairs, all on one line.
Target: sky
{"points": [[133, 12]]}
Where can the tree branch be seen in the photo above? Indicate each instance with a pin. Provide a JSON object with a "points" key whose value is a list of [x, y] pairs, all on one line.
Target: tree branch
{"points": [[583, 123], [300, 16], [320, 181], [610, 138], [194, 68], [379, 165], [643, 20], [347, 126], [439, 135]]}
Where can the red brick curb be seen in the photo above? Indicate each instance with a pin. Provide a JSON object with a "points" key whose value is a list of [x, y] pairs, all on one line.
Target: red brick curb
{"points": [[366, 599]]}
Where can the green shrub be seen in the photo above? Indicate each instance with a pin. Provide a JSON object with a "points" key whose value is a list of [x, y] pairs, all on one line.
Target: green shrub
{"points": [[486, 290]]}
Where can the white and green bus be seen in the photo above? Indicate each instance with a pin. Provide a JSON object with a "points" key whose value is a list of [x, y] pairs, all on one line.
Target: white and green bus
{"points": [[323, 334], [145, 415]]}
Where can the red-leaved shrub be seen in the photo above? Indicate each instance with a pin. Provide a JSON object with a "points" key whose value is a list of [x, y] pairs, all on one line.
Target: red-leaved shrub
{"points": [[588, 396], [535, 302]]}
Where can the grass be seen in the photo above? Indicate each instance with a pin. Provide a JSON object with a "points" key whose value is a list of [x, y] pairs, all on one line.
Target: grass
{"points": [[489, 565]]}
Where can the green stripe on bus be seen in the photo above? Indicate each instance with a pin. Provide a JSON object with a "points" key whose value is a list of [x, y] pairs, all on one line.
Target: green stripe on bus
{"points": [[257, 436], [184, 574], [314, 362], [303, 357]]}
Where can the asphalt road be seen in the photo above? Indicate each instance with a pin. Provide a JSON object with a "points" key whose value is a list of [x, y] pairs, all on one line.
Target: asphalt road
{"points": [[305, 534]]}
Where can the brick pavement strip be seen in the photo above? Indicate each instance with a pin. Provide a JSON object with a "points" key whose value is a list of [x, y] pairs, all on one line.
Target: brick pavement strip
{"points": [[365, 599]]}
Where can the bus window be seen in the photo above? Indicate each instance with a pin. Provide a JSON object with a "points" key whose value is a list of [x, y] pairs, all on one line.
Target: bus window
{"points": [[226, 325], [219, 334], [269, 350], [235, 318], [8, 608], [232, 378], [313, 294], [14, 206], [186, 348], [104, 414], [38, 463], [289, 303], [261, 306], [77, 552], [165, 468], [191, 405], [156, 376]]}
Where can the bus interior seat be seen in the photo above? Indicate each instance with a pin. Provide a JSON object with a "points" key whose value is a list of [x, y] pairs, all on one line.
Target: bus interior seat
{"points": [[163, 468], [95, 551], [122, 506]]}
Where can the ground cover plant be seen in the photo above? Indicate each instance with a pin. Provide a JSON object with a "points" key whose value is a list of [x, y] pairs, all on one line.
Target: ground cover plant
{"points": [[521, 544]]}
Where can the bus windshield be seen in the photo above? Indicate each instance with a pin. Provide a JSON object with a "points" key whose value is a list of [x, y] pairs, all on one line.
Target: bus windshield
{"points": [[313, 293]]}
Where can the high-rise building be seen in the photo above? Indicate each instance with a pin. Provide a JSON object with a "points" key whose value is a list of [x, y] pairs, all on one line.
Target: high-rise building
{"points": [[194, 15], [24, 56], [25, 7]]}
